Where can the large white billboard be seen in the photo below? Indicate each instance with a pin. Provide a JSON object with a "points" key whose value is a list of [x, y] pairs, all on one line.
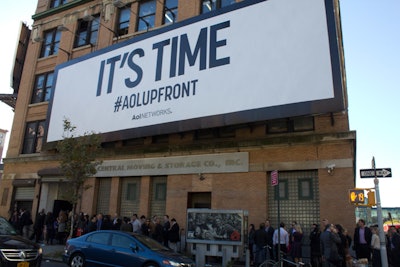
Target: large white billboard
{"points": [[252, 61]]}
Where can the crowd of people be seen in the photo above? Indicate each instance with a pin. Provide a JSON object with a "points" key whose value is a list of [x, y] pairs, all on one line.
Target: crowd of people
{"points": [[51, 229], [330, 245]]}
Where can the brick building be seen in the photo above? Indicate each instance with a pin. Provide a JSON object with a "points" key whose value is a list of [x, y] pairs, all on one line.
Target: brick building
{"points": [[210, 161]]}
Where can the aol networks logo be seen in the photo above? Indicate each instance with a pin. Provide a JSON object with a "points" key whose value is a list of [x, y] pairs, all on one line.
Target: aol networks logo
{"points": [[150, 114]]}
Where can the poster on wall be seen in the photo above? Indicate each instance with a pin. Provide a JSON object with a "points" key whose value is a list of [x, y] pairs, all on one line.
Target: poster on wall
{"points": [[215, 226]]}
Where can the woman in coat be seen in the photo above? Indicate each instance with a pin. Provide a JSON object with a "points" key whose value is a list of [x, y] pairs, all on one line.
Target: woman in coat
{"points": [[329, 247]]}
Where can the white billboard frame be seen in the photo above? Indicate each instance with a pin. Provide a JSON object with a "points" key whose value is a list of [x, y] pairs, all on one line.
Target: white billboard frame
{"points": [[212, 70]]}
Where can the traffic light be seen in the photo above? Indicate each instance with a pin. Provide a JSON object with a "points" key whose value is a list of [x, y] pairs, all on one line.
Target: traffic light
{"points": [[357, 196], [371, 198]]}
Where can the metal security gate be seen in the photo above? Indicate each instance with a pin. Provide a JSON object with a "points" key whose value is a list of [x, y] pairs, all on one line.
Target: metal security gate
{"points": [[23, 197], [103, 196], [130, 196], [158, 193], [24, 193]]}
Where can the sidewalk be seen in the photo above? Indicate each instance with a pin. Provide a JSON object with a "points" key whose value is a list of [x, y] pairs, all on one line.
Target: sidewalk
{"points": [[53, 252]]}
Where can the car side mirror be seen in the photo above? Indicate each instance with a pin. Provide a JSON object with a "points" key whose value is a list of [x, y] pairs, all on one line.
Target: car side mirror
{"points": [[134, 247]]}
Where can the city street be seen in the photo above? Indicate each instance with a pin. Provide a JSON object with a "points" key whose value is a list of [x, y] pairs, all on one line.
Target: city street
{"points": [[49, 263]]}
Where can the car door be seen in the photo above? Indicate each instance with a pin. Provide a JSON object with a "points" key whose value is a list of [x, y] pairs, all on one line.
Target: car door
{"points": [[97, 249], [124, 254]]}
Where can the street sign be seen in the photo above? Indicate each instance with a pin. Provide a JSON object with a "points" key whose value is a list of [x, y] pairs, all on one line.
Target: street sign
{"points": [[380, 173], [274, 178]]}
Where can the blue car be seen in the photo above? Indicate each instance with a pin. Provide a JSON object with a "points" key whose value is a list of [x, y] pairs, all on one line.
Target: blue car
{"points": [[118, 248]]}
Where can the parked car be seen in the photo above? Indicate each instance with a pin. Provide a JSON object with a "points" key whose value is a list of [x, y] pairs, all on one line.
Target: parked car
{"points": [[16, 250], [118, 248]]}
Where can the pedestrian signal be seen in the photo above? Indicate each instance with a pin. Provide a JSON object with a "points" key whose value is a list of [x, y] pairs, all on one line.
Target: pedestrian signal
{"points": [[357, 196], [371, 198]]}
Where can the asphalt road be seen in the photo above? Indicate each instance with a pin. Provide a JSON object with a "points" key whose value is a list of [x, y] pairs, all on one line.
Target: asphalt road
{"points": [[49, 263]]}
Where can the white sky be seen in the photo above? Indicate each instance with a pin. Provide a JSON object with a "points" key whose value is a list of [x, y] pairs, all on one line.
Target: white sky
{"points": [[13, 13], [371, 34]]}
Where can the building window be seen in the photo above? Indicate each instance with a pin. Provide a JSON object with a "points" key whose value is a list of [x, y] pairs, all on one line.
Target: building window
{"points": [[210, 5], [212, 133], [298, 124], [33, 137], [87, 32], [226, 132], [204, 134], [160, 139], [282, 190], [51, 43], [302, 124], [305, 189], [147, 14], [57, 3], [42, 90], [137, 142], [170, 11], [123, 20], [277, 126]]}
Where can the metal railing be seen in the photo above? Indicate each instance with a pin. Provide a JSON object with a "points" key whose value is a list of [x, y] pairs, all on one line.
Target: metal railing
{"points": [[283, 261]]}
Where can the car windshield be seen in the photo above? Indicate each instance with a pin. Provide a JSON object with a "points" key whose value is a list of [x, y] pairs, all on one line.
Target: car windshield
{"points": [[6, 228], [150, 243]]}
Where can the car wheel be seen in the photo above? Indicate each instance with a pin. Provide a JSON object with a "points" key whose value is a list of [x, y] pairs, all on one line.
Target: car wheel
{"points": [[77, 260], [151, 264]]}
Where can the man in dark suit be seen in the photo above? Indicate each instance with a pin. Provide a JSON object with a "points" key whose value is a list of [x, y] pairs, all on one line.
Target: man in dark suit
{"points": [[270, 233], [173, 235], [362, 240], [260, 241], [165, 230]]}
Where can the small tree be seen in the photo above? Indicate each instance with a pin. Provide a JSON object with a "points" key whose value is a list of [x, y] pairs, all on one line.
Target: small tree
{"points": [[78, 162]]}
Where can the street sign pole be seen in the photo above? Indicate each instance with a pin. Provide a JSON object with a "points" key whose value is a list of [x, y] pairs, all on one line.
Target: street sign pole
{"points": [[275, 182], [382, 237]]}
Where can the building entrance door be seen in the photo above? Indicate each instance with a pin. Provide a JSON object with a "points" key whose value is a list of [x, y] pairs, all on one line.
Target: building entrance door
{"points": [[61, 205]]}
